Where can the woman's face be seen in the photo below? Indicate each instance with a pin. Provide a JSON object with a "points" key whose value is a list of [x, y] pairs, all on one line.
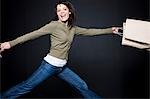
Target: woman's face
{"points": [[63, 13]]}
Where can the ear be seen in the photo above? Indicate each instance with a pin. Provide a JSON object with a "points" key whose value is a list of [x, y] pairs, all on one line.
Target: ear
{"points": [[69, 12]]}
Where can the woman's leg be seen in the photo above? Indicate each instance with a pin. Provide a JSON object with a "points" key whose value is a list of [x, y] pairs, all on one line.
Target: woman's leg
{"points": [[76, 82], [44, 71]]}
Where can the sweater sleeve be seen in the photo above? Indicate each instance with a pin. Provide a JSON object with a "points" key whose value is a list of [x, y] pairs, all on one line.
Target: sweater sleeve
{"points": [[92, 31], [47, 29]]}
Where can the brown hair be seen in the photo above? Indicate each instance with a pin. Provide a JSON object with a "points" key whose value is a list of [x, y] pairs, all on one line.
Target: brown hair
{"points": [[71, 8]]}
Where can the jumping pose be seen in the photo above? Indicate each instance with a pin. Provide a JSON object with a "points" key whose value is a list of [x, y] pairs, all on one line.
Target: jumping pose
{"points": [[61, 30]]}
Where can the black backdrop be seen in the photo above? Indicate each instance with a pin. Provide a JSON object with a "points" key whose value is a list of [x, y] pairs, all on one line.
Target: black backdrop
{"points": [[110, 69]]}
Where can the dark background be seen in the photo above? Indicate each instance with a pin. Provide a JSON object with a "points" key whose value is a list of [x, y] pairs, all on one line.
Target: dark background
{"points": [[110, 69]]}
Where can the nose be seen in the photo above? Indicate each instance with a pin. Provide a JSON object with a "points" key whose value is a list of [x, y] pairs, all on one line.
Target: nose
{"points": [[62, 12]]}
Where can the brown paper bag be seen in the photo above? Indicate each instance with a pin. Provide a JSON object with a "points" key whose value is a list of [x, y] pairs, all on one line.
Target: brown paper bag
{"points": [[136, 33]]}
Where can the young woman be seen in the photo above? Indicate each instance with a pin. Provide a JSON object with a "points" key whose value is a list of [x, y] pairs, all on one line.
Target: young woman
{"points": [[61, 31]]}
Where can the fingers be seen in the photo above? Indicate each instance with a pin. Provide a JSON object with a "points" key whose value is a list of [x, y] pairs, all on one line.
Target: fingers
{"points": [[113, 28], [0, 51], [0, 48], [3, 46], [117, 29]]}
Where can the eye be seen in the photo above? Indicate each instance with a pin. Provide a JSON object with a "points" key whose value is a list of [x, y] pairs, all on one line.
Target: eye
{"points": [[65, 8]]}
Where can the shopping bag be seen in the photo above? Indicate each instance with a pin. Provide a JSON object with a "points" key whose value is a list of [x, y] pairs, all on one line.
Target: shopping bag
{"points": [[136, 33]]}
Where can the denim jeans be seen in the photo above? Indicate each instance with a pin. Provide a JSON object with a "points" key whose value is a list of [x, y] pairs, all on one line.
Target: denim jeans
{"points": [[43, 72]]}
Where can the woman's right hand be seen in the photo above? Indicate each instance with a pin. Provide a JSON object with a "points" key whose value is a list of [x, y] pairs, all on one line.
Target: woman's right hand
{"points": [[3, 46]]}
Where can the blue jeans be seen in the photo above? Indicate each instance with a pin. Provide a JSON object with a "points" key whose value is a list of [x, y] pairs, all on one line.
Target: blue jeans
{"points": [[43, 72]]}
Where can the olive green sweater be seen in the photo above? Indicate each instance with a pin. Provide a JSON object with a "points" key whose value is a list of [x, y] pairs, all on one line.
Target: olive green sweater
{"points": [[61, 37]]}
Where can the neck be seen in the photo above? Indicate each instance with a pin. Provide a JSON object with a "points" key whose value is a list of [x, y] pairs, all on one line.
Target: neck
{"points": [[65, 22]]}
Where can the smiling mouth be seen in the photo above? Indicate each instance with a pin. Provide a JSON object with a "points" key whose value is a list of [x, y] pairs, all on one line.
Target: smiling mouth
{"points": [[63, 16]]}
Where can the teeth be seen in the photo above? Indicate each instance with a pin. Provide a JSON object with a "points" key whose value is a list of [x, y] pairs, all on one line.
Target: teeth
{"points": [[62, 16]]}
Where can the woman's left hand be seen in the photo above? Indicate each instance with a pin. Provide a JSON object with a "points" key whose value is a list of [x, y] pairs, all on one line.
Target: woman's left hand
{"points": [[117, 30]]}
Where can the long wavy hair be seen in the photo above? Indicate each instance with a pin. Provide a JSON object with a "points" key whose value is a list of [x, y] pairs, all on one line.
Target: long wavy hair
{"points": [[72, 16]]}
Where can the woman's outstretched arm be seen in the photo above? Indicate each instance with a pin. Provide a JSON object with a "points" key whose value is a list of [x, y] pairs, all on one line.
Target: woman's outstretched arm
{"points": [[94, 31]]}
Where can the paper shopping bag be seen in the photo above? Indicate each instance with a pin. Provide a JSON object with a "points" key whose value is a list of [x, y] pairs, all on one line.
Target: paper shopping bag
{"points": [[136, 33]]}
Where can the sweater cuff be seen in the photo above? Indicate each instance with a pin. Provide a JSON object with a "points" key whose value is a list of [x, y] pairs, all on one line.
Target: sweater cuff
{"points": [[12, 43]]}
